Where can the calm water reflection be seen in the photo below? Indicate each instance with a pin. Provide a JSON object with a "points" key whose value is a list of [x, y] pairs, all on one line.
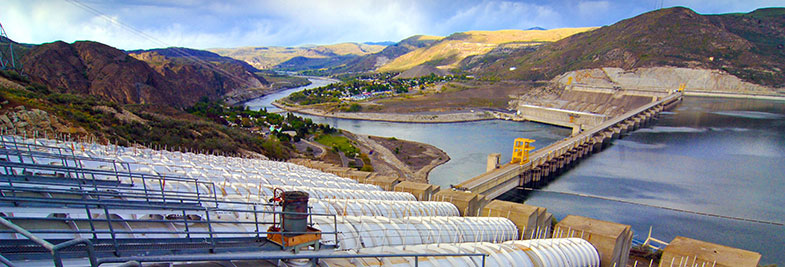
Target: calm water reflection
{"points": [[722, 156], [467, 143]]}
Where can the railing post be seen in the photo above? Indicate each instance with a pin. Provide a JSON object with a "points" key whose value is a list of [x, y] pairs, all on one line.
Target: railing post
{"points": [[215, 195], [198, 195], [88, 246], [185, 222], [90, 220], [146, 193], [210, 229], [163, 192], [117, 173], [256, 221], [111, 231], [310, 216]]}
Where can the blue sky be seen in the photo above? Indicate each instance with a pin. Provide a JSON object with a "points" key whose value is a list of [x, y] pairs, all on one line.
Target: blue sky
{"points": [[233, 23]]}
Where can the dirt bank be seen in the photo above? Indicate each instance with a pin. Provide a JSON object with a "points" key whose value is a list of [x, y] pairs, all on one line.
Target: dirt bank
{"points": [[394, 157]]}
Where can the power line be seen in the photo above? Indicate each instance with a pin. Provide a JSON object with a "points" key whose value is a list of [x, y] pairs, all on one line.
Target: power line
{"points": [[661, 207], [3, 64], [177, 50]]}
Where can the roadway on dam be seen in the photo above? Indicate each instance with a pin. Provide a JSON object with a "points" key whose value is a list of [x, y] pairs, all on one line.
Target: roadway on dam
{"points": [[556, 156]]}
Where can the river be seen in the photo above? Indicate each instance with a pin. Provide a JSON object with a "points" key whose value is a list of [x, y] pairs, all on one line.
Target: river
{"points": [[711, 155], [267, 100], [467, 143]]}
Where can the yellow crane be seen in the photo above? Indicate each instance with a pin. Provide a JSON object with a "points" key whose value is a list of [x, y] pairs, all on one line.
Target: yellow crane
{"points": [[520, 150]]}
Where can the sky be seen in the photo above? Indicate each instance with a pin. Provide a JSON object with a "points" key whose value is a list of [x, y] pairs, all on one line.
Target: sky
{"points": [[203, 24]]}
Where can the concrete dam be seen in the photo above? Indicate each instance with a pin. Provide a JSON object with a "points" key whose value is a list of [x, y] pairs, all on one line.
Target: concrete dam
{"points": [[547, 162]]}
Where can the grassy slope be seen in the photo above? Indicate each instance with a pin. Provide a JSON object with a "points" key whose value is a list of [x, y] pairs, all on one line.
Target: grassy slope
{"points": [[338, 142], [454, 48], [162, 126]]}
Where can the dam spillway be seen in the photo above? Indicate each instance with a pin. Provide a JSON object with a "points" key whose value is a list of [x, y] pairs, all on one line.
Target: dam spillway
{"points": [[554, 159]]}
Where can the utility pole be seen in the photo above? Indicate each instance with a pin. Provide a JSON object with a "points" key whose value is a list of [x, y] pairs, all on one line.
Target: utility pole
{"points": [[4, 63]]}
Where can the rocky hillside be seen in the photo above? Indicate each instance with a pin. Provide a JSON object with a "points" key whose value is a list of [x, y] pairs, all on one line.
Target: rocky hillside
{"points": [[451, 50], [749, 46], [270, 57], [19, 50], [373, 61], [91, 68], [28, 108], [205, 71], [99, 70]]}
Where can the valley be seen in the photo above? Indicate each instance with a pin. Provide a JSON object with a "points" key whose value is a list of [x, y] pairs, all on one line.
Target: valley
{"points": [[435, 111]]}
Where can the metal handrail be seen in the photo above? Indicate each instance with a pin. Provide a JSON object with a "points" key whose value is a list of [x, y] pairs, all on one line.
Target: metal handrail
{"points": [[129, 176], [211, 232], [54, 249], [105, 196], [102, 191], [6, 261], [278, 256], [77, 160]]}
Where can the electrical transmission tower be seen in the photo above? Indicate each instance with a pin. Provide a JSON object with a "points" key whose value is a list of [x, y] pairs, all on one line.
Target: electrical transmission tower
{"points": [[5, 63]]}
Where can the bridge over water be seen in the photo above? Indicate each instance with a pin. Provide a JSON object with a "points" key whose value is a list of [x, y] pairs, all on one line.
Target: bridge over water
{"points": [[549, 161]]}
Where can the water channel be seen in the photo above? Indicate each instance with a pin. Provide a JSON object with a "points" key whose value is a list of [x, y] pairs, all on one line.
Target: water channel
{"points": [[711, 155]]}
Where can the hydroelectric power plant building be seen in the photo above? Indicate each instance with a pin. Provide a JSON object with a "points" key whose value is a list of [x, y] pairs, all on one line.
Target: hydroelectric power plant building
{"points": [[79, 204]]}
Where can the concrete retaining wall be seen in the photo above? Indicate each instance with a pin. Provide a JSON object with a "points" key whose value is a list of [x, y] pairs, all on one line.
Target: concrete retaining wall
{"points": [[559, 117]]}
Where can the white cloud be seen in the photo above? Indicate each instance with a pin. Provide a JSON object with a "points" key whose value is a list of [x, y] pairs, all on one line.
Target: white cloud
{"points": [[231, 23], [593, 8]]}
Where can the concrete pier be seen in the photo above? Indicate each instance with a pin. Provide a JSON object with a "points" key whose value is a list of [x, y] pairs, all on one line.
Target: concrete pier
{"points": [[546, 163]]}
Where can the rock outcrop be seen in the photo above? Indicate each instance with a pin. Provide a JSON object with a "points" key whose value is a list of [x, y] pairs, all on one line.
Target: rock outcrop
{"points": [[664, 79], [22, 121], [204, 71]]}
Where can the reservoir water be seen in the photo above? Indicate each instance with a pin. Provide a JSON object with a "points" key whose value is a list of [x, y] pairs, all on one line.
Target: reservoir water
{"points": [[711, 155], [467, 143]]}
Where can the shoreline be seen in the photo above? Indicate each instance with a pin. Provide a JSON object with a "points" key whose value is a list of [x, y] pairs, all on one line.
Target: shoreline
{"points": [[386, 162], [275, 91], [396, 117], [480, 115]]}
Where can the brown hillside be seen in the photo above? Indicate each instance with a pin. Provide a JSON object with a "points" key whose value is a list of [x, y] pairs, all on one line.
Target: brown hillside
{"points": [[745, 45], [205, 73], [96, 69], [447, 53]]}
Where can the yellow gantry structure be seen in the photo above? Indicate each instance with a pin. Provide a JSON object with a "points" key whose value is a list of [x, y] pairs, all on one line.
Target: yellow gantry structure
{"points": [[520, 150]]}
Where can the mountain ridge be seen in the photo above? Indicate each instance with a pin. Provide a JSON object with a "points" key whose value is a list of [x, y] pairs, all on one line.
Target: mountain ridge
{"points": [[268, 57], [748, 46], [447, 53], [92, 68]]}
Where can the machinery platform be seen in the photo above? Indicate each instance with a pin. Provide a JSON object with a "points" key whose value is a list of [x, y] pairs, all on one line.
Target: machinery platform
{"points": [[296, 242]]}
